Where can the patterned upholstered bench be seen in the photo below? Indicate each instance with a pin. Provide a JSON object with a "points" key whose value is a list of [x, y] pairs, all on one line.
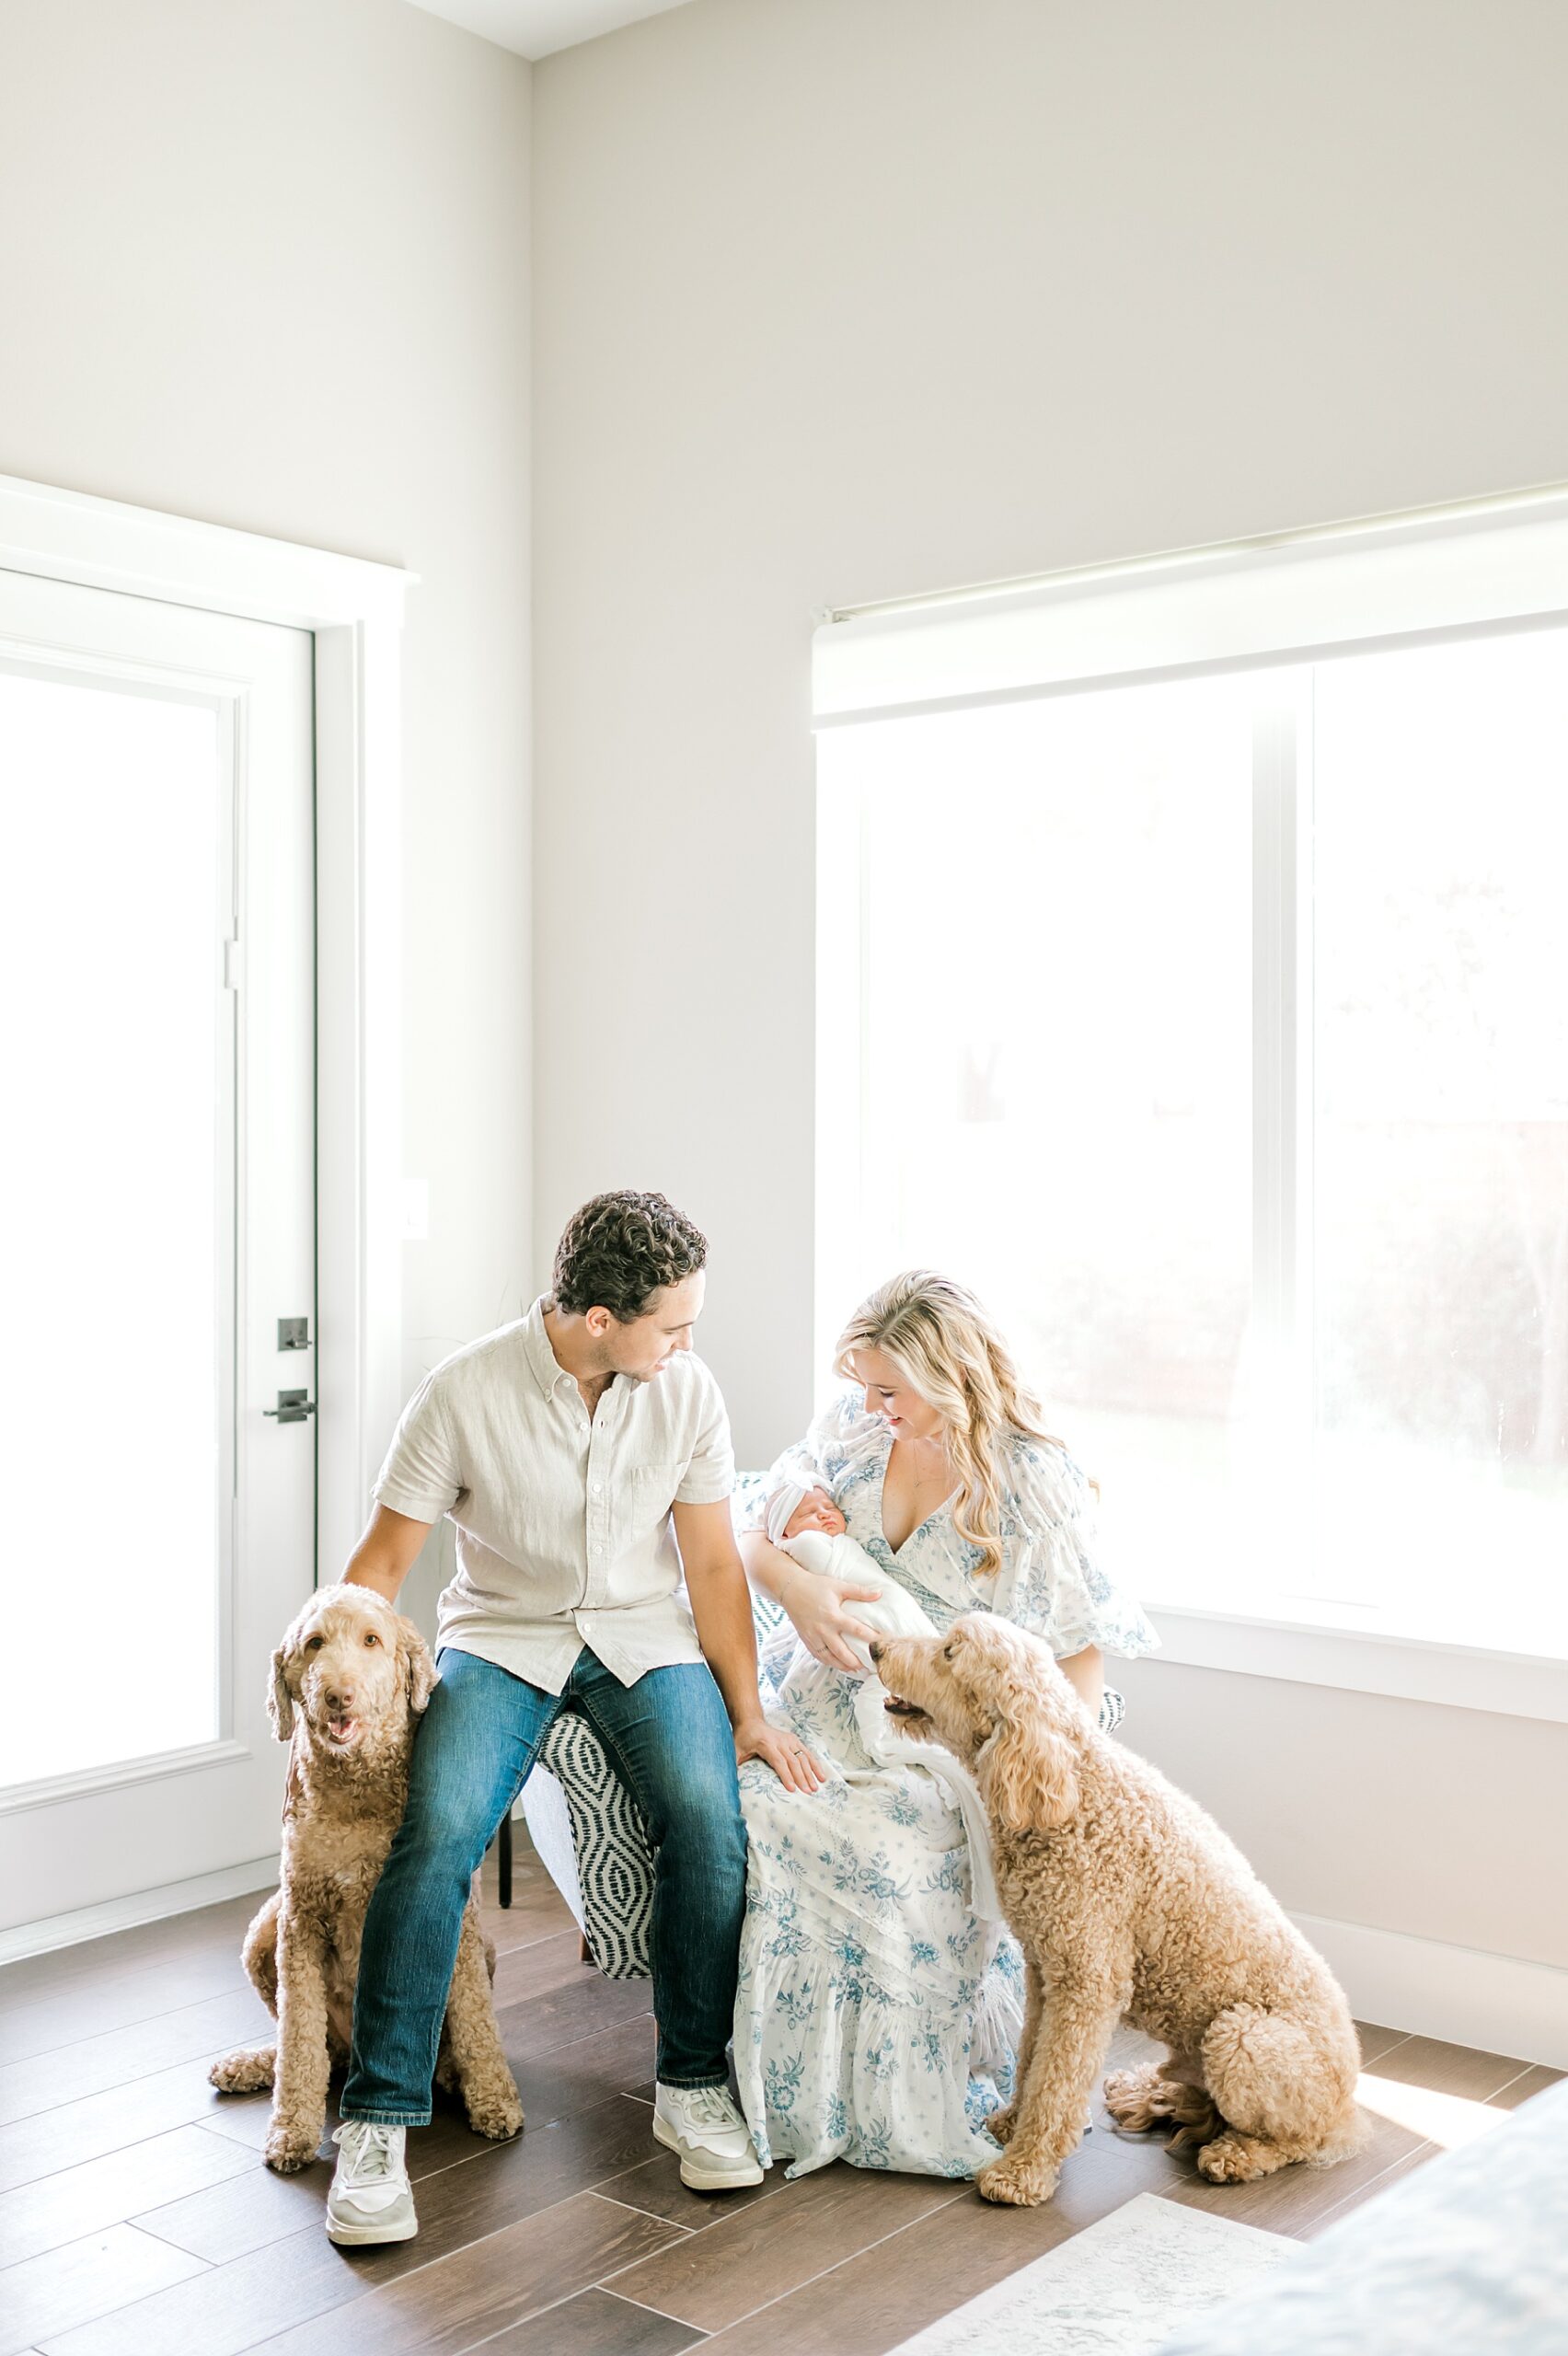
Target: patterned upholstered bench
{"points": [[590, 1833]]}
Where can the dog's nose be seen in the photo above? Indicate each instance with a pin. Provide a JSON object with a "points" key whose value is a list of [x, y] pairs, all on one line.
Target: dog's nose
{"points": [[875, 1648], [339, 1697]]}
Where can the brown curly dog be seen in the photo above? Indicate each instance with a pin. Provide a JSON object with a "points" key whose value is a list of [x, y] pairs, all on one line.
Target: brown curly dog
{"points": [[349, 1681], [1128, 1900]]}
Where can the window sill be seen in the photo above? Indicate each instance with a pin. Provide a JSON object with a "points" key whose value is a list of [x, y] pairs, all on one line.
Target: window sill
{"points": [[1409, 1669], [115, 1773]]}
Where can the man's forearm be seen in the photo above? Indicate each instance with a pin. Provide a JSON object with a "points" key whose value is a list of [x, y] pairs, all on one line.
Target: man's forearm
{"points": [[385, 1553], [368, 1568], [720, 1605]]}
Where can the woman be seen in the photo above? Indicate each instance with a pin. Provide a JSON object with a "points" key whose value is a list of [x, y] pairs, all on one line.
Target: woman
{"points": [[877, 2015]]}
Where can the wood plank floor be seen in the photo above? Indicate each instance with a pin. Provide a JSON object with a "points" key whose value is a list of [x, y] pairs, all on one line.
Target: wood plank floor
{"points": [[136, 2217]]}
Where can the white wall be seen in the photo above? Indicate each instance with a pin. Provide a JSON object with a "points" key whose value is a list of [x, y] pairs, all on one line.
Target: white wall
{"points": [[840, 299], [265, 262]]}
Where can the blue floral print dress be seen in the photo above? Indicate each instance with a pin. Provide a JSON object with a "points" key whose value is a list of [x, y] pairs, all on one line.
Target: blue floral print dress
{"points": [[877, 2017]]}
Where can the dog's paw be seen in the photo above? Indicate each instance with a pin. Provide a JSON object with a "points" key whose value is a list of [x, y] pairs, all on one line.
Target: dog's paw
{"points": [[289, 2149], [498, 2116], [242, 2073], [1230, 2159], [1001, 2123], [1017, 2184]]}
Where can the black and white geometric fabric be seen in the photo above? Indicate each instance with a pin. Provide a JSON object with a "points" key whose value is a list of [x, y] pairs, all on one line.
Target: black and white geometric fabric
{"points": [[615, 1863]]}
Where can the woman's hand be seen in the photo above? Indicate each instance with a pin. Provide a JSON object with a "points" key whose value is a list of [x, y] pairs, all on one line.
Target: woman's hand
{"points": [[816, 1607], [798, 1769]]}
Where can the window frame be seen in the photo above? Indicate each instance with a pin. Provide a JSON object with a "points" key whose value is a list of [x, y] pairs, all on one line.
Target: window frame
{"points": [[354, 609], [1516, 578]]}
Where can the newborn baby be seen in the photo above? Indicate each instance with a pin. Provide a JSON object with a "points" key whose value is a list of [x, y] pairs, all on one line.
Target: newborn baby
{"points": [[806, 1525], [792, 1511]]}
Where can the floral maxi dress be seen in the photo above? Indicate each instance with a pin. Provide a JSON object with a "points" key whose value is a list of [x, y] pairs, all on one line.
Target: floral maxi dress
{"points": [[876, 2016]]}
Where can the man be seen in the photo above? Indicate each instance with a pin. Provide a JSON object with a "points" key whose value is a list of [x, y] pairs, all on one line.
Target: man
{"points": [[562, 1448]]}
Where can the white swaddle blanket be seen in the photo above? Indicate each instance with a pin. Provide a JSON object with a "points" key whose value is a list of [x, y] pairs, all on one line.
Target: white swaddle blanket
{"points": [[895, 1612]]}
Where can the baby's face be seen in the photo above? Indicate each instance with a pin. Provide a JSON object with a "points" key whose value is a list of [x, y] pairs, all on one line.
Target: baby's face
{"points": [[816, 1510]]}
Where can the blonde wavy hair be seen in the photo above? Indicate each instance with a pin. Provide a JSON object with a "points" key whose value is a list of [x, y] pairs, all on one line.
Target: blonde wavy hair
{"points": [[949, 1351]]}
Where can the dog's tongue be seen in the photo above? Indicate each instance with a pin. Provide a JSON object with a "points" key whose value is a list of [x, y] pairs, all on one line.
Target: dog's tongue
{"points": [[338, 1728]]}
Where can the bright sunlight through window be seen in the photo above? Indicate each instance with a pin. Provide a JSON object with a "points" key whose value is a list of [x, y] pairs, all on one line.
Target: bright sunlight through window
{"points": [[110, 1058], [1217, 1032]]}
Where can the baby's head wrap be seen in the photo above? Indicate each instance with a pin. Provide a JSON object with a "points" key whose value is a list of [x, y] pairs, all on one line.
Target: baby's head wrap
{"points": [[782, 1506]]}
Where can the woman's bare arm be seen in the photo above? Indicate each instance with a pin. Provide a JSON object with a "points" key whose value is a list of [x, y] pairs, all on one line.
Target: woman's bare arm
{"points": [[766, 1566], [1084, 1672], [815, 1605]]}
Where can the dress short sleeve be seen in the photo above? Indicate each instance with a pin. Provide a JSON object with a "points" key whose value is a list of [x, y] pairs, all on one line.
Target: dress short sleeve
{"points": [[1053, 1582], [815, 1461], [422, 1475]]}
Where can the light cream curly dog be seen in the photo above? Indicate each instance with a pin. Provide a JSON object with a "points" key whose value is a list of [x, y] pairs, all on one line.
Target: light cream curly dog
{"points": [[349, 1681], [1128, 1900]]}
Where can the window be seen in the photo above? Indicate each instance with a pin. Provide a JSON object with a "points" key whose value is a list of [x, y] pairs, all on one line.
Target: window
{"points": [[1213, 1026], [112, 806]]}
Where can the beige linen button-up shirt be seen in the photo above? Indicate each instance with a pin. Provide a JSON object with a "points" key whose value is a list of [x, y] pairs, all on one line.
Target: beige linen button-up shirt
{"points": [[563, 1521]]}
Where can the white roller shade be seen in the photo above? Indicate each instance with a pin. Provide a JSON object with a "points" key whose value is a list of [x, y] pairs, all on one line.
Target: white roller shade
{"points": [[1485, 565]]}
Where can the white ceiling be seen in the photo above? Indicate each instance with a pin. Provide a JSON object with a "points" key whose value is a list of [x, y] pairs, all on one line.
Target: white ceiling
{"points": [[538, 27]]}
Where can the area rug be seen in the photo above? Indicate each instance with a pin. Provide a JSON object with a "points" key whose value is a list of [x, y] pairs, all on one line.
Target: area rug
{"points": [[1118, 2288]]}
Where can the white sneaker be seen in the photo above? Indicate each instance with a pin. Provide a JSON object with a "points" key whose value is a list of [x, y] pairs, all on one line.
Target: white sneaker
{"points": [[370, 2200], [715, 2146]]}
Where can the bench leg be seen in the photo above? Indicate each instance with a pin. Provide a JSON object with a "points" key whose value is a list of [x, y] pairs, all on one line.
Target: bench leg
{"points": [[503, 1858]]}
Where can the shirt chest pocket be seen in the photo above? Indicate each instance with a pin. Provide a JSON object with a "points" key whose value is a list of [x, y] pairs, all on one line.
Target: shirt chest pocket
{"points": [[652, 1490]]}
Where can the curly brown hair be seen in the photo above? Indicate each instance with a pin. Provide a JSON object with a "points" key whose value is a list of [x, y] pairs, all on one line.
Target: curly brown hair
{"points": [[620, 1250]]}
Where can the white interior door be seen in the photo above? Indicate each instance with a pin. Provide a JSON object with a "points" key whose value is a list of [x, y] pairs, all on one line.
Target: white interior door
{"points": [[156, 1229]]}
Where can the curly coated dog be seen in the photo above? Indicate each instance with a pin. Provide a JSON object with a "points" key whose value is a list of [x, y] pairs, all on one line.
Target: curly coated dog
{"points": [[348, 1681], [1128, 1902]]}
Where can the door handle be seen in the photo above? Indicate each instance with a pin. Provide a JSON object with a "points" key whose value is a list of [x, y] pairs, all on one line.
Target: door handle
{"points": [[292, 1407]]}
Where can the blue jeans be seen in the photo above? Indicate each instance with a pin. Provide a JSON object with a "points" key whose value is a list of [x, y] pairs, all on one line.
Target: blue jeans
{"points": [[669, 1739]]}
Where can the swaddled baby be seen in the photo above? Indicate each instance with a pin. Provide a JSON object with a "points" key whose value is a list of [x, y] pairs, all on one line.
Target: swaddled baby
{"points": [[805, 1524]]}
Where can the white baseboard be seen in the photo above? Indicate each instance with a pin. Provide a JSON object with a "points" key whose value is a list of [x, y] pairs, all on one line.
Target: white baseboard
{"points": [[1497, 2003], [1465, 1995], [140, 1906]]}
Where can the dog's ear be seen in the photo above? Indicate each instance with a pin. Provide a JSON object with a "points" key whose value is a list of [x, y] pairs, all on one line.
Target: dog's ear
{"points": [[419, 1669], [280, 1700], [1027, 1768]]}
